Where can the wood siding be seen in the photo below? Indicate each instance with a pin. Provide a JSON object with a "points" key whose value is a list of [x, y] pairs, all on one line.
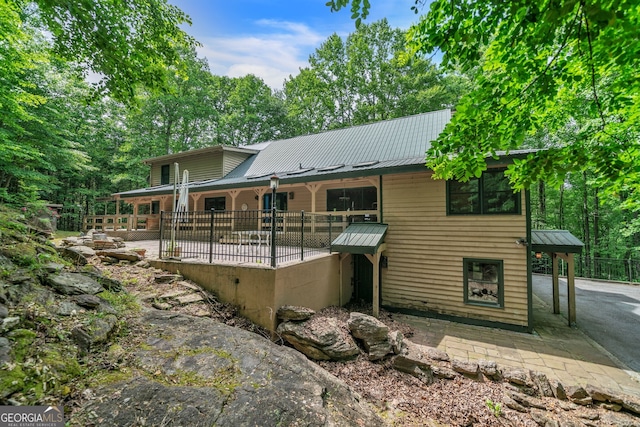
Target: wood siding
{"points": [[200, 168], [425, 251], [232, 160]]}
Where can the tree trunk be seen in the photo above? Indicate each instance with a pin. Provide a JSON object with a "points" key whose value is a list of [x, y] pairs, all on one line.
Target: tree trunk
{"points": [[596, 224], [542, 205], [586, 225]]}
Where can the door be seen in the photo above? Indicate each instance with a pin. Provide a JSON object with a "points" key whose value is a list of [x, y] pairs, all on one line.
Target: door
{"points": [[363, 278]]}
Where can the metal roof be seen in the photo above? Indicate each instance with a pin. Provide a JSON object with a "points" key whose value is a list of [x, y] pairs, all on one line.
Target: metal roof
{"points": [[360, 238], [397, 145], [555, 241], [200, 151]]}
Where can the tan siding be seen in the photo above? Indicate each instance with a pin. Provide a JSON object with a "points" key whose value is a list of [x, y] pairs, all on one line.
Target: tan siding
{"points": [[232, 160], [200, 168], [425, 250]]}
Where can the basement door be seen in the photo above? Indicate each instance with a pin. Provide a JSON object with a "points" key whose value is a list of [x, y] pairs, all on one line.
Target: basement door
{"points": [[363, 278]]}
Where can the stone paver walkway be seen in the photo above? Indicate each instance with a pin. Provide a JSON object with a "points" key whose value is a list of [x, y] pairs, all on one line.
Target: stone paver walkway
{"points": [[560, 352]]}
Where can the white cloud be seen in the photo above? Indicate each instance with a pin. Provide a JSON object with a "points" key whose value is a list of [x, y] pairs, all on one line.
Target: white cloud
{"points": [[272, 56]]}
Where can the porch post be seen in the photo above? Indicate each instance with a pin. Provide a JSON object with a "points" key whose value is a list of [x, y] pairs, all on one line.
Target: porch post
{"points": [[375, 260], [556, 286], [571, 288], [234, 196]]}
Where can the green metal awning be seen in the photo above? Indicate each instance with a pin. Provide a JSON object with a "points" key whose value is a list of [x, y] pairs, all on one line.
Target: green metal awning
{"points": [[360, 238], [555, 241]]}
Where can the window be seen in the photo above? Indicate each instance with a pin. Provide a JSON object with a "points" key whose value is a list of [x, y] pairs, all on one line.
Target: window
{"points": [[352, 199], [281, 201], [489, 194], [483, 282], [165, 173], [217, 203], [155, 207]]}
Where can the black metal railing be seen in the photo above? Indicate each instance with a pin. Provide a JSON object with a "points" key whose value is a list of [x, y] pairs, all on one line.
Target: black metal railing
{"points": [[625, 270], [246, 236]]}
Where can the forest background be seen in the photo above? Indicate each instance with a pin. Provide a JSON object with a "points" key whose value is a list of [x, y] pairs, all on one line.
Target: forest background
{"points": [[66, 141]]}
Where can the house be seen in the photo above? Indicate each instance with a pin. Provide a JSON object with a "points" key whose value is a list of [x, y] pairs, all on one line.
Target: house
{"points": [[456, 250]]}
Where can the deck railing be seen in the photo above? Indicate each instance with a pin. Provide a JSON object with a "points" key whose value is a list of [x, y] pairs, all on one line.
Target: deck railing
{"points": [[247, 236], [624, 270], [126, 222]]}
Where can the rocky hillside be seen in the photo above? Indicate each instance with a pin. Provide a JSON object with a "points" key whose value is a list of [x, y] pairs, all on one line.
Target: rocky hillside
{"points": [[70, 334]]}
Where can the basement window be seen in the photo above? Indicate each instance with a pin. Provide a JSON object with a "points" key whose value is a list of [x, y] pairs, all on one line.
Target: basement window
{"points": [[483, 282]]}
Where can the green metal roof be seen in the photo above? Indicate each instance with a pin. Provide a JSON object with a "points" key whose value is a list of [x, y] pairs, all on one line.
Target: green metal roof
{"points": [[360, 238], [555, 241]]}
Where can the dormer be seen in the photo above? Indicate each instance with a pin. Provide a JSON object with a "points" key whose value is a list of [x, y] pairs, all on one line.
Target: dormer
{"points": [[203, 164]]}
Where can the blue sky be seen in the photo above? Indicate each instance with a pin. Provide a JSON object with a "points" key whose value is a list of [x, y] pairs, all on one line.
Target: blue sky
{"points": [[273, 39]]}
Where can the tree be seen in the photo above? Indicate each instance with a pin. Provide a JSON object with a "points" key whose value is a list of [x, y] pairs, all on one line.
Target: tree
{"points": [[366, 78], [129, 43], [534, 59]]}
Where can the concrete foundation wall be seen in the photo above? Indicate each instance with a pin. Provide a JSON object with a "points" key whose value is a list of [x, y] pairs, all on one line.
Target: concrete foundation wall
{"points": [[258, 292]]}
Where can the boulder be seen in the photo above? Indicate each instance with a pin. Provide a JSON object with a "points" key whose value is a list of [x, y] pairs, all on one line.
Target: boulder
{"points": [[5, 349], [489, 369], [396, 339], [74, 284], [96, 332], [444, 372], [4, 311], [631, 404], [470, 369], [77, 254], [601, 395], [296, 313], [119, 254], [67, 308], [53, 267], [320, 339], [414, 360], [373, 333], [196, 371], [87, 301], [542, 383], [516, 376], [167, 278], [558, 389]]}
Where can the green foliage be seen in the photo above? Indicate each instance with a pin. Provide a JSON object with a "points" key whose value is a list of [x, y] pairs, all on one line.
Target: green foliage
{"points": [[496, 408], [124, 302], [366, 78]]}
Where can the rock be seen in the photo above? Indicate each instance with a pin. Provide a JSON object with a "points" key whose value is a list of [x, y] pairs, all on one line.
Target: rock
{"points": [[543, 419], [87, 301], [512, 404], [414, 360], [558, 389], [526, 401], [443, 372], [9, 323], [396, 338], [296, 313], [108, 283], [466, 368], [320, 339], [601, 395], [96, 332], [174, 293], [516, 376], [77, 254], [579, 395], [167, 278], [373, 333], [74, 284], [615, 407], [119, 254], [143, 264], [5, 349], [541, 381], [631, 404], [190, 299], [489, 369], [161, 305], [53, 267], [4, 311], [245, 381], [67, 308]]}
